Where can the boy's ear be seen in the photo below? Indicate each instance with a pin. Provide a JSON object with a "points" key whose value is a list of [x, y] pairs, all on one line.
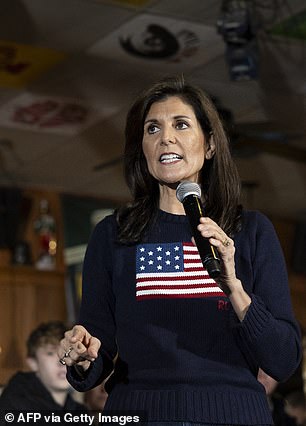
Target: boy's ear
{"points": [[32, 364], [210, 148]]}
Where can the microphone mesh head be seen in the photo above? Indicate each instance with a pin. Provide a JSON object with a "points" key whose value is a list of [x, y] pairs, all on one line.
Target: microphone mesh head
{"points": [[186, 188]]}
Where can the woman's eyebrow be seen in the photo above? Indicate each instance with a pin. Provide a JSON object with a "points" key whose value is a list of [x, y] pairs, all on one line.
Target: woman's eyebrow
{"points": [[151, 120], [176, 117]]}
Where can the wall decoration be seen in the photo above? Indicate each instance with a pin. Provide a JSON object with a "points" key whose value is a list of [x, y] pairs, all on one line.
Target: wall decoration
{"points": [[152, 39], [49, 114], [21, 64]]}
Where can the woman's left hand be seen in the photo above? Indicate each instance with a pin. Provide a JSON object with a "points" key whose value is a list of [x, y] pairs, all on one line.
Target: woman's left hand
{"points": [[227, 280]]}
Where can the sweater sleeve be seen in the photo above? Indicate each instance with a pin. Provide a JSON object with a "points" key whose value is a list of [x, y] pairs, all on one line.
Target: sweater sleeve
{"points": [[98, 305], [269, 333], [92, 377]]}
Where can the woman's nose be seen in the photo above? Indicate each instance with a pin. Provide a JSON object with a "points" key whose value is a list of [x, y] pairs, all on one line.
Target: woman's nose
{"points": [[167, 137]]}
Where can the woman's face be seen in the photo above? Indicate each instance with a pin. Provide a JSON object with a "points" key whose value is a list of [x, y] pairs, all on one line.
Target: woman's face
{"points": [[173, 142]]}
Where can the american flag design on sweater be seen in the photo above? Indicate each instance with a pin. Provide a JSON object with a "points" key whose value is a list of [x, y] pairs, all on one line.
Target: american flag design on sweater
{"points": [[172, 270]]}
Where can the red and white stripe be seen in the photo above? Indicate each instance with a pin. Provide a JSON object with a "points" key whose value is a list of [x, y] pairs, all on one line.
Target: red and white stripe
{"points": [[193, 282]]}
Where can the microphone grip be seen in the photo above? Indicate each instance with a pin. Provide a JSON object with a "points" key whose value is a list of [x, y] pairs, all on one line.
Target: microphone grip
{"points": [[208, 253]]}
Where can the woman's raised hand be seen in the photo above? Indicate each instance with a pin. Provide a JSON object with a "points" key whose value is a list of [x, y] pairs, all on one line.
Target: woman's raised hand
{"points": [[78, 347]]}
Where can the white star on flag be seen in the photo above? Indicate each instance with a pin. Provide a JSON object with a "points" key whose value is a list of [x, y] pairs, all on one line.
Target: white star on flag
{"points": [[172, 270]]}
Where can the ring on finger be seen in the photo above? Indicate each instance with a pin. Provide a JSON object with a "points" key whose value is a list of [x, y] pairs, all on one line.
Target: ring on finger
{"points": [[67, 353], [226, 242], [62, 361]]}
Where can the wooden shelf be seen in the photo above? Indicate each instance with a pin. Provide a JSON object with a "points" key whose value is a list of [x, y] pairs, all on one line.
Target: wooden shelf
{"points": [[27, 298], [30, 296]]}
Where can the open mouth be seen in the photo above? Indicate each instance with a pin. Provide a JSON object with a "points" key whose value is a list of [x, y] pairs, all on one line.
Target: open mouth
{"points": [[169, 158]]}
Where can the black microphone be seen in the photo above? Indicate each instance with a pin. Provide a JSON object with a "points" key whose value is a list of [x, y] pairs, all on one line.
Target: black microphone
{"points": [[189, 194]]}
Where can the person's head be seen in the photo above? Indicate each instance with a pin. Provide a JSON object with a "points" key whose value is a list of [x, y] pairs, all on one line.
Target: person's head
{"points": [[216, 174], [42, 358], [138, 176], [295, 406]]}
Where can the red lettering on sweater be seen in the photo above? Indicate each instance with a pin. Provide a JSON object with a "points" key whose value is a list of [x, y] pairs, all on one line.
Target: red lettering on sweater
{"points": [[223, 305]]}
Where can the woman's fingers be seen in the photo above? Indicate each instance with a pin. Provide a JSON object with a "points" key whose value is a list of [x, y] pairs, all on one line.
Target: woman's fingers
{"points": [[78, 345], [209, 229], [94, 346], [78, 333]]}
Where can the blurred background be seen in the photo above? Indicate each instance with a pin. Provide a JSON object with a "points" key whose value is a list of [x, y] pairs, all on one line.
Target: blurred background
{"points": [[69, 70]]}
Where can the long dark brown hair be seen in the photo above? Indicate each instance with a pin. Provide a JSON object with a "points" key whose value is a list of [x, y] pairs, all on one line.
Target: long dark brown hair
{"points": [[218, 178]]}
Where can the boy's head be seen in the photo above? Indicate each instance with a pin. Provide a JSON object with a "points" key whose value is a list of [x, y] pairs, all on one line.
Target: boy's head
{"points": [[42, 346], [48, 333]]}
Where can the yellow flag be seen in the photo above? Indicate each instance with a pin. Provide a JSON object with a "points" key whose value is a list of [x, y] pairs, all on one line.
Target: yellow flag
{"points": [[20, 64]]}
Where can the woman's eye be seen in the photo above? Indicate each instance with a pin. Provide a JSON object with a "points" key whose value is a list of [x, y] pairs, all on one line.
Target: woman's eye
{"points": [[152, 128], [181, 125]]}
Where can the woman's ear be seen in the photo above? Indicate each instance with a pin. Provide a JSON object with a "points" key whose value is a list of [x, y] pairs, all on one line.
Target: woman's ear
{"points": [[210, 148], [32, 364]]}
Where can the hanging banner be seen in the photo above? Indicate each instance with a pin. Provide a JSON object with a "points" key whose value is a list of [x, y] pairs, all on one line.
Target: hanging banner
{"points": [[48, 114], [155, 39], [21, 64]]}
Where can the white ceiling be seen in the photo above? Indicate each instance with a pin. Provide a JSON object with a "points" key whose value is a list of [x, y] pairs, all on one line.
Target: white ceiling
{"points": [[97, 72]]}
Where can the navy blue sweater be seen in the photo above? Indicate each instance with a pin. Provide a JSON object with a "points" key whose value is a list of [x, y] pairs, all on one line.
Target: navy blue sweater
{"points": [[183, 353]]}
